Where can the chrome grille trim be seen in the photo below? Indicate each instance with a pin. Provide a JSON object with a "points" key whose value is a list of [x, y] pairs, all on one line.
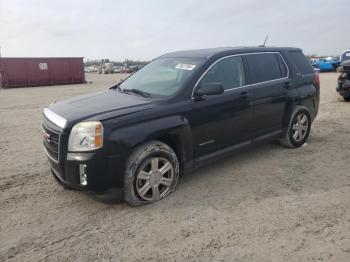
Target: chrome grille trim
{"points": [[56, 143], [49, 156], [54, 118]]}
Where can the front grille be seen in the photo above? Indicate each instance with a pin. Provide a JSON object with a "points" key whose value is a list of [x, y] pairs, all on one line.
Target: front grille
{"points": [[51, 140]]}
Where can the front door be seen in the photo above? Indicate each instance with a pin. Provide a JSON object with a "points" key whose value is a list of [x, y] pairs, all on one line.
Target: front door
{"points": [[219, 121]]}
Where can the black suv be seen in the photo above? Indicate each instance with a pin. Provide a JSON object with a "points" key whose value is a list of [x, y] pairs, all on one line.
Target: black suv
{"points": [[178, 112]]}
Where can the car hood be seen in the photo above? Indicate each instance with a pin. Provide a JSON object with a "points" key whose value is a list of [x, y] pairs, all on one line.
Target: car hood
{"points": [[99, 106]]}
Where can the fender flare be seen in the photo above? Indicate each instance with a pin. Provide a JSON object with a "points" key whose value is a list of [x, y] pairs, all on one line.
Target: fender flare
{"points": [[124, 139]]}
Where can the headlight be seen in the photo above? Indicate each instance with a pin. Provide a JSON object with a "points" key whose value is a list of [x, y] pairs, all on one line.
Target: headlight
{"points": [[86, 136]]}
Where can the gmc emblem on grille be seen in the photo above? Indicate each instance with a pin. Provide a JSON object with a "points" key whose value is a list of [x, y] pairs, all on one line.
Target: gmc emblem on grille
{"points": [[47, 137]]}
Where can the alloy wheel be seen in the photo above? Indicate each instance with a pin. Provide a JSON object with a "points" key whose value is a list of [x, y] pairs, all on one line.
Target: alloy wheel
{"points": [[155, 178], [300, 127]]}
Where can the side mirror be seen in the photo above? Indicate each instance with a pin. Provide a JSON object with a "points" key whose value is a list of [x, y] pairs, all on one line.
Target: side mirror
{"points": [[209, 89]]}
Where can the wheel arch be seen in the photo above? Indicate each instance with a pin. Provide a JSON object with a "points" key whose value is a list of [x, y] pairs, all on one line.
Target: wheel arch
{"points": [[298, 103], [177, 144], [172, 130], [292, 111]]}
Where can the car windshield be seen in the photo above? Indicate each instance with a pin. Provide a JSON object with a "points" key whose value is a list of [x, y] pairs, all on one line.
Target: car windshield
{"points": [[162, 77], [346, 56]]}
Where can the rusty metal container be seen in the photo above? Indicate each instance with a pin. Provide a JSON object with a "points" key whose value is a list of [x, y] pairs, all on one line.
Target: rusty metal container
{"points": [[40, 71]]}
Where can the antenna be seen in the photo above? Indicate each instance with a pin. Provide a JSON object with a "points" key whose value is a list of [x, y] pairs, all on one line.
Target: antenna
{"points": [[263, 45]]}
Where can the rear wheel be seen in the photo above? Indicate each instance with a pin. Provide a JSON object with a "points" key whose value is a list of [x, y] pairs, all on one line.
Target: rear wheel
{"points": [[152, 173], [299, 129]]}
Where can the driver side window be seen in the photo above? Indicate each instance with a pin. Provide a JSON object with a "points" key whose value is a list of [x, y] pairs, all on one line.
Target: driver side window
{"points": [[228, 71]]}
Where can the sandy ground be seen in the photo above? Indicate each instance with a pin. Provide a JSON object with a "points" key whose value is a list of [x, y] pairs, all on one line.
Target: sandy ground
{"points": [[265, 204]]}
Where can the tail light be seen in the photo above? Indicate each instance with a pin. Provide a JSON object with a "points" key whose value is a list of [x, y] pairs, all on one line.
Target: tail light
{"points": [[316, 77]]}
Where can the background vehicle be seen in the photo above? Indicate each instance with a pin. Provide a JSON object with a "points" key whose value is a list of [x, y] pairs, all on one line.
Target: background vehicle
{"points": [[180, 111], [126, 69], [118, 69], [106, 67], [134, 68], [345, 56], [343, 86], [90, 69], [326, 64]]}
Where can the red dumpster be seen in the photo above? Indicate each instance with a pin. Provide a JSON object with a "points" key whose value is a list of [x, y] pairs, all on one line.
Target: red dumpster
{"points": [[41, 71]]}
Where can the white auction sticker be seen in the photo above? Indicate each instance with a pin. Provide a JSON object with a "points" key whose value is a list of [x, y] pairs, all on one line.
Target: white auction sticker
{"points": [[185, 66]]}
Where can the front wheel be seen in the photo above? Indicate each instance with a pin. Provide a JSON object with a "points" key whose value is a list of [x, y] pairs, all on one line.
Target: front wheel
{"points": [[347, 98], [152, 172], [298, 129]]}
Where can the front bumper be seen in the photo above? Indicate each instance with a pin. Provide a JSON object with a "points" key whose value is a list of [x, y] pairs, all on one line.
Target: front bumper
{"points": [[104, 174]]}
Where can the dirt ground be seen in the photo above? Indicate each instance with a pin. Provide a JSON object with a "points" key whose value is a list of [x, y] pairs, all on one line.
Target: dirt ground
{"points": [[266, 204]]}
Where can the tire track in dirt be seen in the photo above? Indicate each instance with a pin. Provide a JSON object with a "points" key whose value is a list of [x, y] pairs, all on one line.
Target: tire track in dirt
{"points": [[90, 229]]}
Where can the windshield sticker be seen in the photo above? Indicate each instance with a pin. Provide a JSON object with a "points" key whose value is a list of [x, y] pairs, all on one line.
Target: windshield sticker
{"points": [[185, 66]]}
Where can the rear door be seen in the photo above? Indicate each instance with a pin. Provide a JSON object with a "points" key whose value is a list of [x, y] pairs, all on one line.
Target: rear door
{"points": [[269, 75]]}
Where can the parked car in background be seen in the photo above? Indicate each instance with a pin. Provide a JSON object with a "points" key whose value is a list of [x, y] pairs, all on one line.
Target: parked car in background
{"points": [[134, 68], [345, 56], [118, 69], [326, 64], [126, 69], [178, 112], [90, 69], [106, 67], [335, 60], [343, 86]]}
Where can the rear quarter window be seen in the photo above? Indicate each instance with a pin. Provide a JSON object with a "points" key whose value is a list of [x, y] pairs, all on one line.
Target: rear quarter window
{"points": [[301, 63], [265, 67], [284, 70]]}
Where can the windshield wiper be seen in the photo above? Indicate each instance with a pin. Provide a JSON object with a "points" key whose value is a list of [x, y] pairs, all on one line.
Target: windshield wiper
{"points": [[136, 91], [115, 86]]}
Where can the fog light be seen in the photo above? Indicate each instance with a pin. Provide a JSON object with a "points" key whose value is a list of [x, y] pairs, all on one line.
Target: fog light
{"points": [[82, 174]]}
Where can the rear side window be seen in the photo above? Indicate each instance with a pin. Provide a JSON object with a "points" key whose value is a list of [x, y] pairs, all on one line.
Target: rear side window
{"points": [[284, 71], [302, 64], [228, 71], [265, 67]]}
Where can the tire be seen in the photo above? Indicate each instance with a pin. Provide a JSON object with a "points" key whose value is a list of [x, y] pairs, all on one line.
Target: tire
{"points": [[151, 174], [347, 98], [298, 129]]}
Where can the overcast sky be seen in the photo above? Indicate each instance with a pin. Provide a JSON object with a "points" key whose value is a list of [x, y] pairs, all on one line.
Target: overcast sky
{"points": [[145, 29]]}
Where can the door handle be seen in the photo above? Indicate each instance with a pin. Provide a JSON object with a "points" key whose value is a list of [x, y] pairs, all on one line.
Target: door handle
{"points": [[287, 85], [244, 94]]}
